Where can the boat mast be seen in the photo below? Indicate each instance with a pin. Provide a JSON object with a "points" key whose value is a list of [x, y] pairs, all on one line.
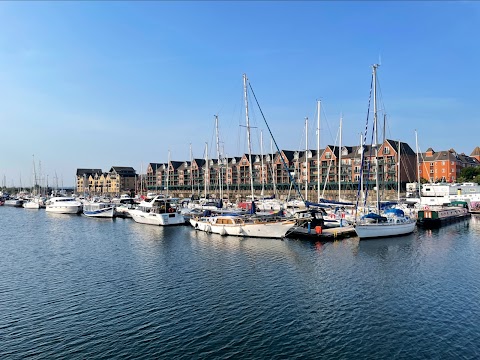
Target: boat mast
{"points": [[418, 164], [207, 172], [191, 167], [248, 134], [318, 151], [362, 194], [218, 158], [274, 170], [168, 172], [340, 160], [262, 177], [375, 128], [398, 176], [306, 159]]}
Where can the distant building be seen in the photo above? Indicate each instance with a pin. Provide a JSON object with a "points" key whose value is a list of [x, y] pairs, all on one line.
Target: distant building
{"points": [[96, 182], [443, 166], [476, 153]]}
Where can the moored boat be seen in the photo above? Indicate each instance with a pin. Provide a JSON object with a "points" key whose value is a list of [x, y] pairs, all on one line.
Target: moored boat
{"points": [[158, 211], [63, 205], [436, 216], [14, 202], [247, 226], [99, 210]]}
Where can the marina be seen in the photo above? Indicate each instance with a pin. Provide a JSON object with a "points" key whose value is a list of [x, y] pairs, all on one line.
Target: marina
{"points": [[76, 287]]}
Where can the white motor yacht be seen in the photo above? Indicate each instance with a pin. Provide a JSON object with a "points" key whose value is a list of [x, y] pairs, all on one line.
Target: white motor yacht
{"points": [[63, 205]]}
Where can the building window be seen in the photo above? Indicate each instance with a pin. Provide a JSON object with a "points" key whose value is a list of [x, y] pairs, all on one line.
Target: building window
{"points": [[443, 163], [386, 150], [328, 155]]}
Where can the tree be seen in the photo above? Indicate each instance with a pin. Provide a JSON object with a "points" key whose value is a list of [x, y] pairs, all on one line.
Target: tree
{"points": [[470, 174]]}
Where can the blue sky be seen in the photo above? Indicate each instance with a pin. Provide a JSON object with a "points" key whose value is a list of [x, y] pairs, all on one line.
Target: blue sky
{"points": [[96, 84]]}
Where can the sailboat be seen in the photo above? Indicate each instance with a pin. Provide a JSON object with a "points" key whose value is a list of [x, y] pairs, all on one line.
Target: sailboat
{"points": [[390, 223], [33, 202], [247, 226]]}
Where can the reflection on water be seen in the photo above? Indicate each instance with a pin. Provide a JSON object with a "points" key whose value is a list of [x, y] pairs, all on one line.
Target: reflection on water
{"points": [[73, 287]]}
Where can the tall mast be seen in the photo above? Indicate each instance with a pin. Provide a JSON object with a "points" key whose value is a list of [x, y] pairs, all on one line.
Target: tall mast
{"points": [[362, 194], [218, 158], [318, 151], [226, 175], [248, 133], [191, 167], [262, 177], [207, 172], [274, 170], [418, 164], [398, 174], [306, 159], [340, 160], [168, 172], [375, 128]]}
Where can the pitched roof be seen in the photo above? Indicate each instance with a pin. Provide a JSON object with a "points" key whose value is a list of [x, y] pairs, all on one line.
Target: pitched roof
{"points": [[88, 172], [405, 149], [125, 171], [476, 151]]}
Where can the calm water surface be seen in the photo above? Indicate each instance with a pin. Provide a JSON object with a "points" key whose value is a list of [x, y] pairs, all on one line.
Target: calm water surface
{"points": [[78, 288]]}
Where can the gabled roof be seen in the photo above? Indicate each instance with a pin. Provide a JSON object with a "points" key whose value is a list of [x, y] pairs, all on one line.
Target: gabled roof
{"points": [[176, 164], [476, 151], [88, 172], [288, 154], [405, 149], [199, 162], [155, 166], [125, 171]]}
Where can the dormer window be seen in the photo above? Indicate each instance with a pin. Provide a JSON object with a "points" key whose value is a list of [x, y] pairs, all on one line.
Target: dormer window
{"points": [[257, 158], [328, 155], [295, 155], [344, 151], [386, 150], [234, 161]]}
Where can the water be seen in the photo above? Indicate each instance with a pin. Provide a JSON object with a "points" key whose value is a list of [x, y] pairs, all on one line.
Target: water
{"points": [[78, 288]]}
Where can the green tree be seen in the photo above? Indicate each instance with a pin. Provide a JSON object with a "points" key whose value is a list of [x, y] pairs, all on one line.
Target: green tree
{"points": [[470, 174]]}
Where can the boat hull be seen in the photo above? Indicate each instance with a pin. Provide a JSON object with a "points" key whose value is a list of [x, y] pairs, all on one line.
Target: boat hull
{"points": [[14, 203], [76, 209], [378, 230], [276, 230], [431, 219], [31, 205], [164, 219], [107, 212]]}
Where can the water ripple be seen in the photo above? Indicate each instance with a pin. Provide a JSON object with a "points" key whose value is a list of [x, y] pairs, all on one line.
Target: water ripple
{"points": [[76, 288]]}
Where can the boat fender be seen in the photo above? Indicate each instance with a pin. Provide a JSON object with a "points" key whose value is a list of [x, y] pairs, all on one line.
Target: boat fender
{"points": [[332, 216], [426, 207]]}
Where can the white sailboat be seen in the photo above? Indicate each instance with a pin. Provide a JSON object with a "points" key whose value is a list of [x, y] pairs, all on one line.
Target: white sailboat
{"points": [[248, 226], [376, 225], [34, 201]]}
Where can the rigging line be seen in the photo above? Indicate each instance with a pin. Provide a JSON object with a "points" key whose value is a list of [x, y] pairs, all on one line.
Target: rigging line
{"points": [[276, 145], [369, 167], [330, 164], [363, 146]]}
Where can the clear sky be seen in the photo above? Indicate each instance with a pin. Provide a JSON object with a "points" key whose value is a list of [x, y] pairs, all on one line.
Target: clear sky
{"points": [[100, 84]]}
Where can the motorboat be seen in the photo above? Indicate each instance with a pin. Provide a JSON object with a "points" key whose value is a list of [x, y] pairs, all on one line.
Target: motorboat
{"points": [[99, 209], [157, 211], [63, 205]]}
